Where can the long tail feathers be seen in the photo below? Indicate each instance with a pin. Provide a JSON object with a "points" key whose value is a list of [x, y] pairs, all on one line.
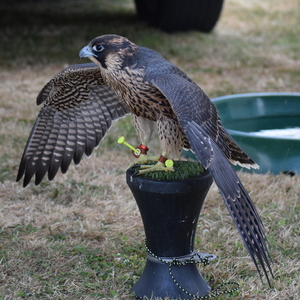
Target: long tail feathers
{"points": [[236, 198]]}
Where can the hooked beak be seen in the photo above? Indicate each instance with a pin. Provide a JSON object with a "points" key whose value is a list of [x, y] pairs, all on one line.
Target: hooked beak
{"points": [[86, 51]]}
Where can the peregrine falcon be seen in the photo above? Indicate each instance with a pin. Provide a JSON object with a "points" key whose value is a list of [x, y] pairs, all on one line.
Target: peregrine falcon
{"points": [[80, 103]]}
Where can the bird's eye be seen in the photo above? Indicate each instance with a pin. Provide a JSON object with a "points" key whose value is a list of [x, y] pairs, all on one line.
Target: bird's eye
{"points": [[98, 48]]}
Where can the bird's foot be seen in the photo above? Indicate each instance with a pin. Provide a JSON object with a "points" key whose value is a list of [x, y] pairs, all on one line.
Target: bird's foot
{"points": [[159, 166], [163, 164], [143, 159]]}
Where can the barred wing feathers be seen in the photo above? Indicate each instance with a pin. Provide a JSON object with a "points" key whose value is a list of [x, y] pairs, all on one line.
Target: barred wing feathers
{"points": [[214, 148], [78, 110]]}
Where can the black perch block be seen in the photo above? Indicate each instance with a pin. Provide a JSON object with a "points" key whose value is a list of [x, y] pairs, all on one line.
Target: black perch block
{"points": [[170, 212]]}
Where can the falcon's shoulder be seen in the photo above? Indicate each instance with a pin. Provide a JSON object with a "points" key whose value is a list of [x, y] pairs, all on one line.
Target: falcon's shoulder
{"points": [[78, 110], [64, 84], [190, 103], [187, 99]]}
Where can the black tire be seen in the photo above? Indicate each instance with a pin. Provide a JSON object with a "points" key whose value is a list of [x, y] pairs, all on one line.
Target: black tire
{"points": [[180, 15]]}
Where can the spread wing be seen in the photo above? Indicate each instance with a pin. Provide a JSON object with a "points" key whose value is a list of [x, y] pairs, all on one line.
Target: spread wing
{"points": [[213, 147], [78, 110]]}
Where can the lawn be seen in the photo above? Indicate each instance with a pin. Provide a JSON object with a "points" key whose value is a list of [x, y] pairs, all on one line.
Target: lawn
{"points": [[81, 235]]}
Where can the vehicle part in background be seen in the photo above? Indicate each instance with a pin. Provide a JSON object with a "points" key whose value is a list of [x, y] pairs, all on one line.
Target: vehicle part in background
{"points": [[180, 15]]}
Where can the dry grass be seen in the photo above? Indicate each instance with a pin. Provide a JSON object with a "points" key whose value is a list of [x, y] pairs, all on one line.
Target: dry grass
{"points": [[81, 236]]}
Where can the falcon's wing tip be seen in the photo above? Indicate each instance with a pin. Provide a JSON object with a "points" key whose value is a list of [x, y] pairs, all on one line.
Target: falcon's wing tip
{"points": [[19, 176], [245, 165], [26, 180], [267, 272], [22, 173]]}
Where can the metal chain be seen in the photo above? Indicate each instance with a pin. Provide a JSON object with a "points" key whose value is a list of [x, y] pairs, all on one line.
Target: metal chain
{"points": [[192, 260]]}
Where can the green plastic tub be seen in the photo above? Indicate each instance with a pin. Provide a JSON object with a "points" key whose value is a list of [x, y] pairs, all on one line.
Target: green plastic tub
{"points": [[266, 126]]}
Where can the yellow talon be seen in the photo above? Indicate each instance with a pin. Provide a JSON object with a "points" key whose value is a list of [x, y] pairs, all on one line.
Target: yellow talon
{"points": [[166, 166], [159, 166]]}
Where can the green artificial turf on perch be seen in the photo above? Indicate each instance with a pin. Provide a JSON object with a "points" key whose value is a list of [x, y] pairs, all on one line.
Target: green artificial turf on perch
{"points": [[183, 170]]}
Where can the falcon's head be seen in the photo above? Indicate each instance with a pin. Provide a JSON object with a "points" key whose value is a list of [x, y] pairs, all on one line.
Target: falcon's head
{"points": [[110, 51]]}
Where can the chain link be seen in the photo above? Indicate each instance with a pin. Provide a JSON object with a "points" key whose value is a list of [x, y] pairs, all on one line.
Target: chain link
{"points": [[194, 258]]}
